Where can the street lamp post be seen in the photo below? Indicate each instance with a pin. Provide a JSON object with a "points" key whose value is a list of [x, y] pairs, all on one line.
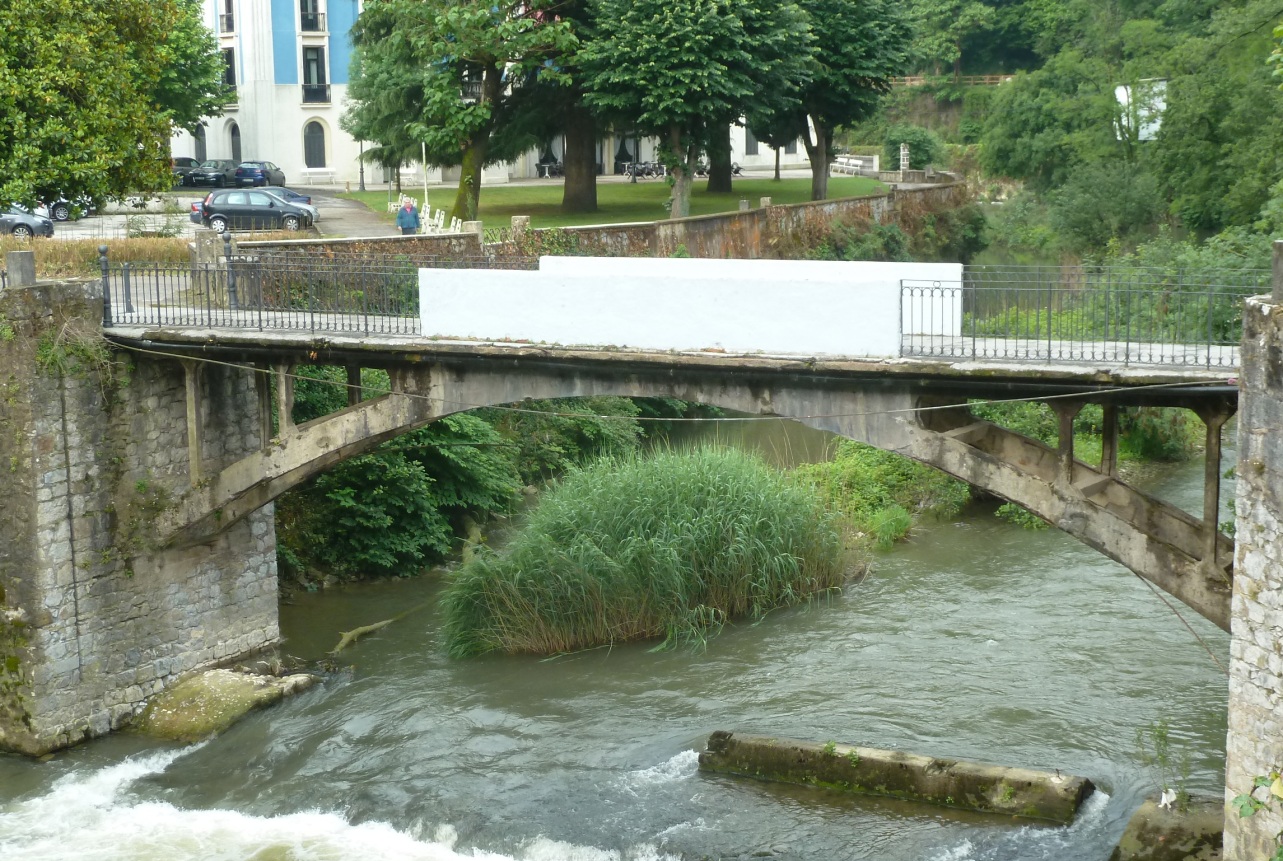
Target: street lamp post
{"points": [[361, 166]]}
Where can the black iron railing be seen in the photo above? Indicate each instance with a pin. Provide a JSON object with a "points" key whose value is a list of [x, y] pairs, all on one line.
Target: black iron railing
{"points": [[316, 93], [1113, 315], [293, 291], [227, 23], [312, 22]]}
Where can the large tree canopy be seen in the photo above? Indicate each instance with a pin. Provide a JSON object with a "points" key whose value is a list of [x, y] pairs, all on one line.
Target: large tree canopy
{"points": [[449, 75], [90, 91], [679, 68]]}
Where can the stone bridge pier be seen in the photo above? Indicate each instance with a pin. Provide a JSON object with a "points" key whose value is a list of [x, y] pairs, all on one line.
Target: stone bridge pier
{"points": [[93, 448], [1254, 745]]}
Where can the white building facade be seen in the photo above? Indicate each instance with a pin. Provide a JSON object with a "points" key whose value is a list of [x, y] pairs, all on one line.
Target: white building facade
{"points": [[288, 61]]}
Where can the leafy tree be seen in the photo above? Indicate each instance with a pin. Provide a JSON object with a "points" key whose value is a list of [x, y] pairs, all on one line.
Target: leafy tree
{"points": [[89, 93], [858, 48], [940, 26], [680, 68], [452, 74], [1104, 201], [191, 75]]}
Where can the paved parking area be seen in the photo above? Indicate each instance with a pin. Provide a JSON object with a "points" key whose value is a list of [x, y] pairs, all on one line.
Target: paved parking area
{"points": [[339, 217]]}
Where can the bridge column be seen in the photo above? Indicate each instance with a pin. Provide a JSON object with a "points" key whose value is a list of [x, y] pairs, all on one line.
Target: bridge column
{"points": [[263, 391], [1109, 439], [1066, 412], [1213, 420], [354, 384], [285, 398]]}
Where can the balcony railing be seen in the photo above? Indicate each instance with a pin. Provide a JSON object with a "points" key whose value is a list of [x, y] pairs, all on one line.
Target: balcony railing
{"points": [[312, 22], [316, 93], [227, 23]]}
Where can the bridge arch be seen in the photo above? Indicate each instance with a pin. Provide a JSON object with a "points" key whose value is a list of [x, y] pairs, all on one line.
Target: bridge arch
{"points": [[1172, 549]]}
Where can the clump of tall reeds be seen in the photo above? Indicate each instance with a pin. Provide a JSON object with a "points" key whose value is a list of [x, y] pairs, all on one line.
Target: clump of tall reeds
{"points": [[667, 546]]}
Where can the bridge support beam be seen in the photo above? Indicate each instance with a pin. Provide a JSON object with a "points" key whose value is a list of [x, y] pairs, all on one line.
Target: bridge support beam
{"points": [[195, 426], [285, 399], [354, 391], [1109, 439]]}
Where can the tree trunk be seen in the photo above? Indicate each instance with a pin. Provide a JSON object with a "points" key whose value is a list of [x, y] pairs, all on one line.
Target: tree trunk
{"points": [[719, 161], [777, 164], [817, 153], [580, 162], [467, 199], [680, 197]]}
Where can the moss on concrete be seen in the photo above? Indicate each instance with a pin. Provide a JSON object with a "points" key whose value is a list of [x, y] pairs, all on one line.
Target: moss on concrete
{"points": [[206, 703], [1156, 834], [1022, 792]]}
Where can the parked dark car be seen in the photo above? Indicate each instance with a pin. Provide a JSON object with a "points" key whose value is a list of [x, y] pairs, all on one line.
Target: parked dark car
{"points": [[259, 173], [181, 166], [297, 198], [24, 224], [249, 209], [217, 172]]}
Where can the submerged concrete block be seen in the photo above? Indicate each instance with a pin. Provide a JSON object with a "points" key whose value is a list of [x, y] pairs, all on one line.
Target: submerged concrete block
{"points": [[1155, 834], [1020, 792]]}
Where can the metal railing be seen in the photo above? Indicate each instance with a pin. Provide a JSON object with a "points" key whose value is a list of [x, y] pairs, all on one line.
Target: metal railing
{"points": [[227, 23], [1114, 315], [316, 93], [312, 22], [280, 290]]}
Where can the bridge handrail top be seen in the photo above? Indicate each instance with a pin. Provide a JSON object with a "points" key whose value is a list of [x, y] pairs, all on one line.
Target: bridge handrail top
{"points": [[207, 340]]}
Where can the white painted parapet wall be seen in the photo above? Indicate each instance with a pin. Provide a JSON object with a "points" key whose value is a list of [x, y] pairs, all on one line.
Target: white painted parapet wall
{"points": [[777, 307]]}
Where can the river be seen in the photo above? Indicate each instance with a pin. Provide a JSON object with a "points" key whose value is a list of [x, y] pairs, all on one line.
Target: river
{"points": [[976, 639]]}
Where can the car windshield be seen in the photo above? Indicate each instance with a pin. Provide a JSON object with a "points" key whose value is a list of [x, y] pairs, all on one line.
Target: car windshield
{"points": [[253, 165], [210, 163]]}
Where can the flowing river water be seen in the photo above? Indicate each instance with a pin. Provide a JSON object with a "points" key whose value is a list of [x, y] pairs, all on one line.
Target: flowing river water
{"points": [[976, 639]]}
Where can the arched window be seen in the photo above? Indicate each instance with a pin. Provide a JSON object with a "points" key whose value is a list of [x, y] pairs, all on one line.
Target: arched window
{"points": [[236, 143], [200, 143], [314, 144]]}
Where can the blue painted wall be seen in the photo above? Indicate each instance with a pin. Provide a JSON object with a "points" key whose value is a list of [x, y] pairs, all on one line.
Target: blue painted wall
{"points": [[285, 41], [342, 15]]}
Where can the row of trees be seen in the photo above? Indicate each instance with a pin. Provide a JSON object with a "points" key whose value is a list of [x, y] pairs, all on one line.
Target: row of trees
{"points": [[91, 91], [474, 82]]}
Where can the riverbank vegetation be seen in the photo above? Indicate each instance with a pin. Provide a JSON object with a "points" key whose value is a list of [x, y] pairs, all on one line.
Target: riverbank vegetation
{"points": [[1132, 134], [668, 546]]}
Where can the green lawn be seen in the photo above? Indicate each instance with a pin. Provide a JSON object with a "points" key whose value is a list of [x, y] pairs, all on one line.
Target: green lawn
{"points": [[621, 201]]}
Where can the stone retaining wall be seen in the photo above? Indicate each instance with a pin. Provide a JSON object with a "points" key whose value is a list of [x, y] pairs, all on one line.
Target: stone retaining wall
{"points": [[93, 444]]}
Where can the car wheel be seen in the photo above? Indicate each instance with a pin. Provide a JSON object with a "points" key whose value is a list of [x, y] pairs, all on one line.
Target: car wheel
{"points": [[22, 231], [61, 212], [218, 224], [290, 222]]}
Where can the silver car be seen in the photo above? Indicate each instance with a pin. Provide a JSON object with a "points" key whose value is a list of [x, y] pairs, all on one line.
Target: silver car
{"points": [[24, 224]]}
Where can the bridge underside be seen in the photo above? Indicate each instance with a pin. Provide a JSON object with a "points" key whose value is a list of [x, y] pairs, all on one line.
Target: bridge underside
{"points": [[919, 416]]}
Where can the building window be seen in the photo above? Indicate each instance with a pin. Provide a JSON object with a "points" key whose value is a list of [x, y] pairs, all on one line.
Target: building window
{"points": [[790, 148], [229, 69], [750, 142], [235, 134], [314, 144], [315, 89], [201, 150], [311, 18], [226, 20]]}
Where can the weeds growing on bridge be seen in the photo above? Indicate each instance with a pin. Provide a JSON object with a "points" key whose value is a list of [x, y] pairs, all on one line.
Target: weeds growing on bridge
{"points": [[633, 548]]}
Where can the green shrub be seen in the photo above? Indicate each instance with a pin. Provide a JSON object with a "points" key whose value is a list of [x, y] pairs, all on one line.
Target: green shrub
{"points": [[628, 548], [862, 481], [554, 435], [889, 525], [925, 148]]}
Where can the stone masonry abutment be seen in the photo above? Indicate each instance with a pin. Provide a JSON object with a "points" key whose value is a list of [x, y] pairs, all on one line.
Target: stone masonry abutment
{"points": [[94, 446]]}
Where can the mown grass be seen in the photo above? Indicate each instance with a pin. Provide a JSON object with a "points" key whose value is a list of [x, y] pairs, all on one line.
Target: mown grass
{"points": [[663, 547], [620, 201]]}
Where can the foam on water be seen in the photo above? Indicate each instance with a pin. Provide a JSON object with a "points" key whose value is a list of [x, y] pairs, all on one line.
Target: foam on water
{"points": [[90, 817], [678, 767], [1033, 843]]}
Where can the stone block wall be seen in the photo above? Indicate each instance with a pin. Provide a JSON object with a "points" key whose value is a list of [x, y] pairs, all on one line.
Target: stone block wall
{"points": [[93, 617], [1254, 745]]}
